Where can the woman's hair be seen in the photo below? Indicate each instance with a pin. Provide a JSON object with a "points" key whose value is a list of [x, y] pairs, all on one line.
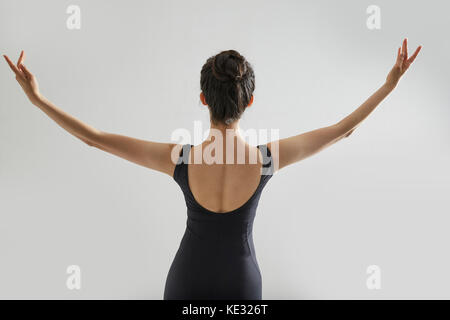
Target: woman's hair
{"points": [[227, 82]]}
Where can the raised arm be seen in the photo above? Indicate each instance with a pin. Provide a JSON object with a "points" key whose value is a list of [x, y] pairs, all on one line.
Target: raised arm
{"points": [[153, 155], [299, 147]]}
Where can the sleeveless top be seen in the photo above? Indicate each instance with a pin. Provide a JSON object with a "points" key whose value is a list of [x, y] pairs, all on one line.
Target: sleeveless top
{"points": [[216, 258]]}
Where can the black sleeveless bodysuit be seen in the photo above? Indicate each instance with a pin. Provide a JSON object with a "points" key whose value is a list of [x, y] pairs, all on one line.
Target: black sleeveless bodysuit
{"points": [[216, 258]]}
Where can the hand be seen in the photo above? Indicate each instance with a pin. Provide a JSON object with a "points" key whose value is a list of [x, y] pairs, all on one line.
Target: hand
{"points": [[402, 64], [25, 78]]}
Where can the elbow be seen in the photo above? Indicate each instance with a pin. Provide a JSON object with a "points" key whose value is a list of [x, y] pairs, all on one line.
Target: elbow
{"points": [[90, 144], [94, 139], [343, 131], [349, 133], [87, 142]]}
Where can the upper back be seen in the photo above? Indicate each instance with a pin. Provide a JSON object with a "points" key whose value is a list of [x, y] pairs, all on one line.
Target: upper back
{"points": [[225, 185]]}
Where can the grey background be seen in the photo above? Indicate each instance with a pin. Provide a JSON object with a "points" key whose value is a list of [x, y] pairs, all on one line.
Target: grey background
{"points": [[379, 197]]}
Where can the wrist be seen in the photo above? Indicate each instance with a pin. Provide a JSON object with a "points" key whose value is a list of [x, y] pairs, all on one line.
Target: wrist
{"points": [[37, 99], [389, 85]]}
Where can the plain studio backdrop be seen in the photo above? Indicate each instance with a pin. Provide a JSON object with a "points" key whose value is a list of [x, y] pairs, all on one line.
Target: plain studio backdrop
{"points": [[378, 198]]}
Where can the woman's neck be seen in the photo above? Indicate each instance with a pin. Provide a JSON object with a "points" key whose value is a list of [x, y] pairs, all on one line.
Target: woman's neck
{"points": [[230, 132]]}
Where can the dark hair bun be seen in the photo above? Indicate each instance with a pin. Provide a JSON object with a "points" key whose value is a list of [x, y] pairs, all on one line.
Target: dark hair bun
{"points": [[229, 66]]}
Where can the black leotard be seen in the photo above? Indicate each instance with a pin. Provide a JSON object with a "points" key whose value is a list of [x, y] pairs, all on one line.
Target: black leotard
{"points": [[216, 258]]}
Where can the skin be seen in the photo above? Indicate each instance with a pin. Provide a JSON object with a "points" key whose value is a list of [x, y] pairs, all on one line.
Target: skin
{"points": [[231, 193]]}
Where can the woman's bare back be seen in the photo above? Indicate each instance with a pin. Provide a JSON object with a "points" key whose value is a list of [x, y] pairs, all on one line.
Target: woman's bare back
{"points": [[224, 187]]}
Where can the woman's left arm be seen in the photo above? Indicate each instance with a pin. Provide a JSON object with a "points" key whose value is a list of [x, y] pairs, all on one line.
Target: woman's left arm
{"points": [[153, 155]]}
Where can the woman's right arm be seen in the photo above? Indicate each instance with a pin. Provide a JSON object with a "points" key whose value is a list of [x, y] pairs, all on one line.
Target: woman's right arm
{"points": [[293, 149]]}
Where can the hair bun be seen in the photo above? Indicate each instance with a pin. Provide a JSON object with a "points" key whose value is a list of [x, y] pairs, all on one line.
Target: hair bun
{"points": [[229, 66]]}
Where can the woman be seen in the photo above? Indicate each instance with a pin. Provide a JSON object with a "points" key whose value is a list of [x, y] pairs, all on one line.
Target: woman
{"points": [[216, 258]]}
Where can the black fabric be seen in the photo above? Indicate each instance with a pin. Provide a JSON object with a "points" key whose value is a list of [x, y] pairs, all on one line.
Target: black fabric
{"points": [[216, 258]]}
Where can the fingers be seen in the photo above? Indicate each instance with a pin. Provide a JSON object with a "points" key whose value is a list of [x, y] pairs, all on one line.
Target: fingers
{"points": [[12, 66], [21, 58], [26, 72], [413, 57], [405, 47], [400, 57]]}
